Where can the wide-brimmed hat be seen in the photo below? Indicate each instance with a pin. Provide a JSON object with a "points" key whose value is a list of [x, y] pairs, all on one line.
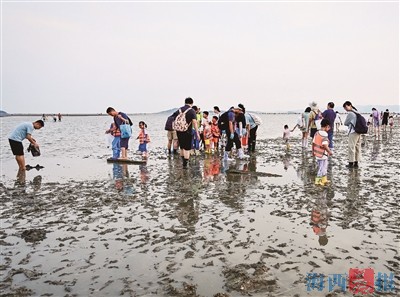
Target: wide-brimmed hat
{"points": [[314, 105]]}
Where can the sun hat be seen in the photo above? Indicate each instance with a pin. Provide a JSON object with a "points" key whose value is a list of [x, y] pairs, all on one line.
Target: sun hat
{"points": [[314, 105]]}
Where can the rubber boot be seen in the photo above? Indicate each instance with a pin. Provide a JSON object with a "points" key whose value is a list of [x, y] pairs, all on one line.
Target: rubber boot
{"points": [[350, 165], [226, 156], [185, 163], [325, 180], [318, 181], [355, 164], [241, 154]]}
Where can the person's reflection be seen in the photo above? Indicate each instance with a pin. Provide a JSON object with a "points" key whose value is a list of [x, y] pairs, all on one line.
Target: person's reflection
{"points": [[286, 161], [37, 183], [353, 205], [233, 189], [215, 168], [384, 137], [375, 149], [183, 192], [207, 170], [320, 216], [144, 174], [187, 212], [119, 173], [118, 177], [305, 169]]}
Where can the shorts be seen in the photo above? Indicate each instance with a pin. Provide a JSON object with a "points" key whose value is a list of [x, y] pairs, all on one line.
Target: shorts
{"points": [[124, 143], [185, 140], [172, 135], [143, 147], [312, 132], [384, 122], [376, 122], [16, 147]]}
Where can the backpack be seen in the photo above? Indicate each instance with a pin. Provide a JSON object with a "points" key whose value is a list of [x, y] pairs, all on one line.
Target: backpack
{"points": [[223, 121], [169, 122], [257, 120], [317, 120], [180, 124], [361, 125]]}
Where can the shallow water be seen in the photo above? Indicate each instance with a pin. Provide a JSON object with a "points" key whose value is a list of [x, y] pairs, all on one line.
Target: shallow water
{"points": [[83, 227]]}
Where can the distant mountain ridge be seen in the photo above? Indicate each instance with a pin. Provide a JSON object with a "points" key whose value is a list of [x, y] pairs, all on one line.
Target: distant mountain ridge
{"points": [[360, 108], [3, 113]]}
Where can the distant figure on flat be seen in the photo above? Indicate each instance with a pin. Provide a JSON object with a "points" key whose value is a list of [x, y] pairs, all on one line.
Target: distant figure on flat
{"points": [[59, 117], [21, 132]]}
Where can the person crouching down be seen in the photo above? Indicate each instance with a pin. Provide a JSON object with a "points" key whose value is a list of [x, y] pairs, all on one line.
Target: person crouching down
{"points": [[321, 151], [144, 139]]}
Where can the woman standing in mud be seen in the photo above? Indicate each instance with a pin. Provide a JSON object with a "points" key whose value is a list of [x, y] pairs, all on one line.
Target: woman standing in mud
{"points": [[354, 137], [305, 126]]}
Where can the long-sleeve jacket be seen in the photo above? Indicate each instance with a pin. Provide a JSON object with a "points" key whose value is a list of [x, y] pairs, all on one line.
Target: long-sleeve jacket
{"points": [[351, 121]]}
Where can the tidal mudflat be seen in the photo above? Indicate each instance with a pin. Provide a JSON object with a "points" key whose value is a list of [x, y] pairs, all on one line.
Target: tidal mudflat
{"points": [[158, 230]]}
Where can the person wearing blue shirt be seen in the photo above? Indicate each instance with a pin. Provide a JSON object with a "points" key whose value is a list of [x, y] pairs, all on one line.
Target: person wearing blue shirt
{"points": [[119, 145], [330, 115], [21, 132]]}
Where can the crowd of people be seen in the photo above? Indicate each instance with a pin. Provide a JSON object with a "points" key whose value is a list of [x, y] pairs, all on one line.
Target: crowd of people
{"points": [[191, 131]]}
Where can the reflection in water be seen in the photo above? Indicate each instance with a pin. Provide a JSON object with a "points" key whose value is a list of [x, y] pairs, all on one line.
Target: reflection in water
{"points": [[353, 205], [182, 192], [21, 183], [144, 174], [211, 169], [37, 182], [232, 189], [306, 170], [385, 137], [320, 214], [375, 149], [121, 179], [286, 161], [187, 211], [206, 178]]}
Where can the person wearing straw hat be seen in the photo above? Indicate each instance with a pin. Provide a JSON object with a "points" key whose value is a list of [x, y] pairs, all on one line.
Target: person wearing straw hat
{"points": [[315, 115]]}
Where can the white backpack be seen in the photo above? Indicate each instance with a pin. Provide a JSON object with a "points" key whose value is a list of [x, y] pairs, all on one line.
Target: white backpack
{"points": [[180, 124]]}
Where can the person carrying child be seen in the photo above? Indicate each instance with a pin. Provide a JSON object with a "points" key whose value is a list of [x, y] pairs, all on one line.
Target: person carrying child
{"points": [[321, 152], [144, 139]]}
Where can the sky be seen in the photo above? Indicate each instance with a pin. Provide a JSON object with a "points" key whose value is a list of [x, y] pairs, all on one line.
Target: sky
{"points": [[81, 57]]}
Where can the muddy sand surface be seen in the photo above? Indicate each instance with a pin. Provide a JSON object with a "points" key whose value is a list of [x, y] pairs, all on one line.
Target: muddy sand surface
{"points": [[158, 230]]}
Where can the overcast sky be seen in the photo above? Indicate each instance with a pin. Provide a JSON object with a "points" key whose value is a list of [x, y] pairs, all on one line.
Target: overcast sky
{"points": [[148, 57]]}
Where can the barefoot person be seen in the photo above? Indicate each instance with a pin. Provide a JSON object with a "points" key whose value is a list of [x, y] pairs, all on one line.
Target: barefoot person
{"points": [[21, 132]]}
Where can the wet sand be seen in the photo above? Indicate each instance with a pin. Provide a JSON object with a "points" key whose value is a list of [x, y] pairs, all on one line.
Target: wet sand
{"points": [[158, 230]]}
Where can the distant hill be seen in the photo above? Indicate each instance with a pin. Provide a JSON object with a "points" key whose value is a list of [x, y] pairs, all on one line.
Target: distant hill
{"points": [[168, 111], [360, 108], [3, 113], [368, 108]]}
